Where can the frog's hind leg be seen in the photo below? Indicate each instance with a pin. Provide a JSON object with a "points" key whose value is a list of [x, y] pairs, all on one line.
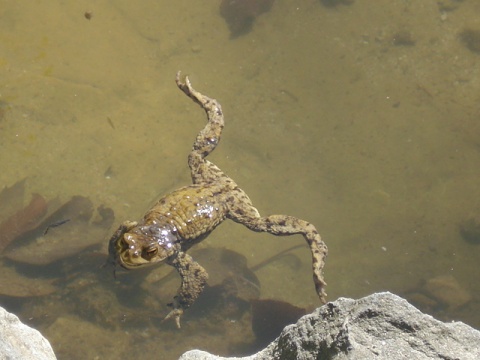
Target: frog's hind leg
{"points": [[208, 138], [245, 213]]}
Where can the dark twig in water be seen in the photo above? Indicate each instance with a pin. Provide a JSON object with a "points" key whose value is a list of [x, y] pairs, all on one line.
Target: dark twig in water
{"points": [[58, 223], [275, 257]]}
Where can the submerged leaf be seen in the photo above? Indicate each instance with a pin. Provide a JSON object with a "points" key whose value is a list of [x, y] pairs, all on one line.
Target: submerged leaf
{"points": [[240, 14], [22, 221], [229, 269], [64, 240], [11, 199]]}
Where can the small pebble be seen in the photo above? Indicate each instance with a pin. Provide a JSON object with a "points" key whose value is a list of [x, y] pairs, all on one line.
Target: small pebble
{"points": [[196, 48], [447, 290]]}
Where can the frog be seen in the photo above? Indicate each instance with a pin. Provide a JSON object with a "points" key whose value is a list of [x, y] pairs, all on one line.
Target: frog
{"points": [[186, 216]]}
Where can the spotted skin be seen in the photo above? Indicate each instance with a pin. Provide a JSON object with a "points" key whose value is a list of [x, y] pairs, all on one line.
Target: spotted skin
{"points": [[186, 216]]}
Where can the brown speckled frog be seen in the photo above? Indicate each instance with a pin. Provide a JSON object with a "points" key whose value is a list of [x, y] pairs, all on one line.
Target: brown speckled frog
{"points": [[187, 215]]}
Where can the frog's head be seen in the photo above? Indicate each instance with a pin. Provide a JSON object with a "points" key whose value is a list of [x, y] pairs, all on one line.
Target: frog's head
{"points": [[144, 245]]}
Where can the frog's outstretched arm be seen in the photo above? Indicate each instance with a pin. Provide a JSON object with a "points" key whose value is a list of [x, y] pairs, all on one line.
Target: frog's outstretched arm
{"points": [[194, 278]]}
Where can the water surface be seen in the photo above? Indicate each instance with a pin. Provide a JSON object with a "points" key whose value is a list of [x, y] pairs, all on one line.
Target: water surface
{"points": [[360, 119]]}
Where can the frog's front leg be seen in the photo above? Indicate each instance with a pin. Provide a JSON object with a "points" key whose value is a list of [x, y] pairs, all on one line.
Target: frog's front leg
{"points": [[194, 278]]}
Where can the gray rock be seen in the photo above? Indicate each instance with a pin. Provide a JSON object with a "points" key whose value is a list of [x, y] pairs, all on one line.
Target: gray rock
{"points": [[18, 341], [379, 326]]}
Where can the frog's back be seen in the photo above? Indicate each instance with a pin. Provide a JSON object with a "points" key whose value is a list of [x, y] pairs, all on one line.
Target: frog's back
{"points": [[191, 211]]}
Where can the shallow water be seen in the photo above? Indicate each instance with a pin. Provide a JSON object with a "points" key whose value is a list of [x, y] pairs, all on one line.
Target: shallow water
{"points": [[360, 119]]}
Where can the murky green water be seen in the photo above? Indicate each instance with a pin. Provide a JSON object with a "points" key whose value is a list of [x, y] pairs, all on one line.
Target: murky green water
{"points": [[361, 119]]}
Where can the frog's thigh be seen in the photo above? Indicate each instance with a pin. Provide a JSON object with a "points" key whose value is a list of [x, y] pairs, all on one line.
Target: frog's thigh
{"points": [[241, 210]]}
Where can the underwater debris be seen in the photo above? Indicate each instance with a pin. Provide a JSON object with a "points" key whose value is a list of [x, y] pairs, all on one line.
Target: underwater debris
{"points": [[24, 240], [23, 220], [69, 239], [241, 14], [269, 317], [470, 230]]}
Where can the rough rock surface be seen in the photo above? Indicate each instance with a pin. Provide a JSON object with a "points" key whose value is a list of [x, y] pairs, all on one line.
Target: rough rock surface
{"points": [[18, 341], [379, 326]]}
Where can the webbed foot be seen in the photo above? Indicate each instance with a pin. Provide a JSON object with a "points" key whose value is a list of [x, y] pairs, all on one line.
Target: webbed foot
{"points": [[175, 314]]}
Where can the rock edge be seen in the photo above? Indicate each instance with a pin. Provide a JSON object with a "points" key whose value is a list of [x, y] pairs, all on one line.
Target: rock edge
{"points": [[19, 341], [379, 326]]}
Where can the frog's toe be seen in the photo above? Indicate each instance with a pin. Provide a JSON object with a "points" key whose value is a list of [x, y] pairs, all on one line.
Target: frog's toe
{"points": [[175, 314]]}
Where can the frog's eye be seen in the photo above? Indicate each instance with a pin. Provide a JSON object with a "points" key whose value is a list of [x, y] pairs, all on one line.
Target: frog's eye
{"points": [[149, 253]]}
